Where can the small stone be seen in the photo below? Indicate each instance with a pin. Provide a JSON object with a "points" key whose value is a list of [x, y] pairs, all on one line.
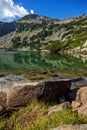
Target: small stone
{"points": [[71, 127], [59, 107], [66, 105], [75, 105]]}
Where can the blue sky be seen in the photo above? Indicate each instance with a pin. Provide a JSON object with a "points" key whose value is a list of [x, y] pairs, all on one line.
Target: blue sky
{"points": [[56, 8], [62, 9]]}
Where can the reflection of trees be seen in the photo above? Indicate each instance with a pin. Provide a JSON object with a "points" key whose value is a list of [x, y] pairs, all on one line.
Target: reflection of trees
{"points": [[35, 61]]}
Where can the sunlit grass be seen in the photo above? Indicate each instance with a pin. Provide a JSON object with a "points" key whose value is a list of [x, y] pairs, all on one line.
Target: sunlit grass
{"points": [[35, 117]]}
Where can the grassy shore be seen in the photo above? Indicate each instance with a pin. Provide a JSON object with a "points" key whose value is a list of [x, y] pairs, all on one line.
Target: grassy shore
{"points": [[35, 117]]}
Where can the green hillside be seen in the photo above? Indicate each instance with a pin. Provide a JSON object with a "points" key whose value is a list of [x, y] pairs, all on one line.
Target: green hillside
{"points": [[35, 32]]}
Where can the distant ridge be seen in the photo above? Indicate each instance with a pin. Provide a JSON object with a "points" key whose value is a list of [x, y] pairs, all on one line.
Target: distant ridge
{"points": [[34, 31]]}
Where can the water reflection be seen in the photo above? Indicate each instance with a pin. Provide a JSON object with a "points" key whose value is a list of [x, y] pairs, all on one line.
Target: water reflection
{"points": [[29, 62]]}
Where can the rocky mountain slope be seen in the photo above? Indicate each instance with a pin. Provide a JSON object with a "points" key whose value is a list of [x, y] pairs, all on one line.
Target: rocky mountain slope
{"points": [[40, 32]]}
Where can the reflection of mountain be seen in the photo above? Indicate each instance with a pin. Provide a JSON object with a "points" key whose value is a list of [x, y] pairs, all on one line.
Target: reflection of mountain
{"points": [[25, 62]]}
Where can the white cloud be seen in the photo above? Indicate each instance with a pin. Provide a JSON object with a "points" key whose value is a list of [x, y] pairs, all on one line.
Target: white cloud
{"points": [[9, 10], [31, 11]]}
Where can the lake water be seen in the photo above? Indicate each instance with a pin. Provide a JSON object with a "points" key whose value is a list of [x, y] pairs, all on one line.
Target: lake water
{"points": [[32, 63]]}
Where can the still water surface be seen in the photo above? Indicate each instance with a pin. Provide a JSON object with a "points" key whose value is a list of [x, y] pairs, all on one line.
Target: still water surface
{"points": [[32, 62]]}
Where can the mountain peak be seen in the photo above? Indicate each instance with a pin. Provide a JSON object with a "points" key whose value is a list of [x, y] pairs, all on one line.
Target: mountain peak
{"points": [[34, 17]]}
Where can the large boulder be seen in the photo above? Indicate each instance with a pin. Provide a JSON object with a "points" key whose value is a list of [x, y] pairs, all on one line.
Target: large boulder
{"points": [[22, 94]]}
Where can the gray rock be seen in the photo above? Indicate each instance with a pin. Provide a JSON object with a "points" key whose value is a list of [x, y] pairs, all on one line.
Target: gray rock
{"points": [[59, 107], [8, 81], [71, 127], [13, 78]]}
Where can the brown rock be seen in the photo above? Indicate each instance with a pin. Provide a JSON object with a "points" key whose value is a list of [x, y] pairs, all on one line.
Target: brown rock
{"points": [[82, 95], [75, 105], [79, 97], [83, 110], [22, 94]]}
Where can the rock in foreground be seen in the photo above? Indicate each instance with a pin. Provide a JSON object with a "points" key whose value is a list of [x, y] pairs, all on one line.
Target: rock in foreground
{"points": [[82, 95], [78, 97], [59, 107], [22, 94], [82, 98], [71, 127]]}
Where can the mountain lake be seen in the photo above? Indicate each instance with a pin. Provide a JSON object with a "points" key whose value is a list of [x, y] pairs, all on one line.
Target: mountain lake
{"points": [[42, 65]]}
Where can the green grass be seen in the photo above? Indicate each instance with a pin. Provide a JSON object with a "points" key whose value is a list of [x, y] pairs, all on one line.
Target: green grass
{"points": [[2, 125], [66, 116], [34, 117]]}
